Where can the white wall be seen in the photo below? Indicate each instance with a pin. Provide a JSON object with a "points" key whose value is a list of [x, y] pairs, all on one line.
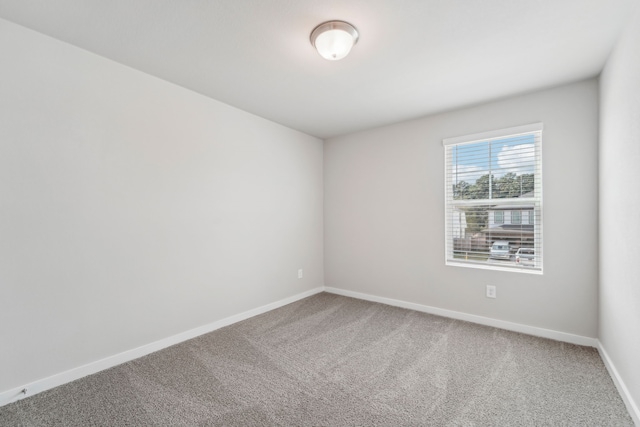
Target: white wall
{"points": [[132, 209], [620, 209], [384, 213]]}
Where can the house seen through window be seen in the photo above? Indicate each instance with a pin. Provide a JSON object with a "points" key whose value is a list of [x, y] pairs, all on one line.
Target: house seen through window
{"points": [[493, 199]]}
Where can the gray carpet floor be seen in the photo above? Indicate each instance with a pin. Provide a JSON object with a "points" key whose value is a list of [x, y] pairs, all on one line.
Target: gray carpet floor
{"points": [[329, 360]]}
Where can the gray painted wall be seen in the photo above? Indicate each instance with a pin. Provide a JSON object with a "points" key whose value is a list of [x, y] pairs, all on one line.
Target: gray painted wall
{"points": [[384, 213], [132, 209], [620, 208]]}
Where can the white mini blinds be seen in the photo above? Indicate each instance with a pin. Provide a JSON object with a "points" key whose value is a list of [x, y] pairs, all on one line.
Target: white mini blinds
{"points": [[493, 199]]}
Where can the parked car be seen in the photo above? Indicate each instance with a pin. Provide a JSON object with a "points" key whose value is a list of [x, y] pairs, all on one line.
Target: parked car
{"points": [[500, 250], [525, 256]]}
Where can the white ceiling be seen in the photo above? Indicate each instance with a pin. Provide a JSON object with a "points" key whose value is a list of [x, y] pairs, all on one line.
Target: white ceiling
{"points": [[414, 57]]}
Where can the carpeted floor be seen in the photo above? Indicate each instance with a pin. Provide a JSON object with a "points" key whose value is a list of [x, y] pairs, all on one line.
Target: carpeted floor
{"points": [[329, 360]]}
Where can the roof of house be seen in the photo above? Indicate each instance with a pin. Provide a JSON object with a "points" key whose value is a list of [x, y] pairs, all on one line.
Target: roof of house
{"points": [[509, 207], [510, 229], [514, 206]]}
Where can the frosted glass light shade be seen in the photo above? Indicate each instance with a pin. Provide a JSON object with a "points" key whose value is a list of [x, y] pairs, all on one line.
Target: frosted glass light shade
{"points": [[334, 39]]}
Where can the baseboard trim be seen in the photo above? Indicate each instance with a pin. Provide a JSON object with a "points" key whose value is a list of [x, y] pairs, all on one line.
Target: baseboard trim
{"points": [[56, 380], [501, 324], [633, 409]]}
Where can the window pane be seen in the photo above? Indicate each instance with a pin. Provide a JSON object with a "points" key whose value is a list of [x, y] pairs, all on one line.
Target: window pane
{"points": [[503, 168], [477, 235]]}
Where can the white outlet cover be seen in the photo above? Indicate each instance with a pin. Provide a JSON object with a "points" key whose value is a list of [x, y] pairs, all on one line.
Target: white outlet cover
{"points": [[491, 291]]}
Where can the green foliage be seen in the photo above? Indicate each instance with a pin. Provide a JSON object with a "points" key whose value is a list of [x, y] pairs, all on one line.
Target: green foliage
{"points": [[477, 219], [508, 186]]}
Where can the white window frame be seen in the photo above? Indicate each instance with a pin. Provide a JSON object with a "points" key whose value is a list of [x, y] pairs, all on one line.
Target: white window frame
{"points": [[536, 200]]}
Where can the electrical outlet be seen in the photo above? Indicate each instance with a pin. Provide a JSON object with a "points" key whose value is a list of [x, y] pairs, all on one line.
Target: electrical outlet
{"points": [[491, 291], [300, 273]]}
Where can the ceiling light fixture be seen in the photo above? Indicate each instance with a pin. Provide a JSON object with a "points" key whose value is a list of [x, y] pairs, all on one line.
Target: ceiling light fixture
{"points": [[334, 39]]}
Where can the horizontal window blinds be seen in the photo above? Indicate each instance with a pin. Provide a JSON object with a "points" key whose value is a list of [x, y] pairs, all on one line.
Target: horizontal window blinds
{"points": [[493, 199]]}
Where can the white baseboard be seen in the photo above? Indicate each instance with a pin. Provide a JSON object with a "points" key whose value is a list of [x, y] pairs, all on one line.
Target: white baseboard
{"points": [[502, 324], [633, 409], [41, 385]]}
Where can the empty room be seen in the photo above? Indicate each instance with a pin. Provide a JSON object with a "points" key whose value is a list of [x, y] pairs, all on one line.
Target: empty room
{"points": [[319, 213]]}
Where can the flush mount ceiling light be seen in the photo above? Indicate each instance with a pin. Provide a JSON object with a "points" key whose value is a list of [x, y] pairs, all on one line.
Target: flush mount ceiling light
{"points": [[334, 39]]}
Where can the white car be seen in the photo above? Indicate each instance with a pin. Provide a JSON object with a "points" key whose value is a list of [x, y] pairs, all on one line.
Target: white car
{"points": [[500, 250], [525, 256]]}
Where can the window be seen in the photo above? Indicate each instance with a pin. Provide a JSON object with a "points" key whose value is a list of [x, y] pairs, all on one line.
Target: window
{"points": [[516, 217], [487, 175]]}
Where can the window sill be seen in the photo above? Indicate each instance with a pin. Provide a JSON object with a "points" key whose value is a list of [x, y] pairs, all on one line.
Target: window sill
{"points": [[496, 267]]}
